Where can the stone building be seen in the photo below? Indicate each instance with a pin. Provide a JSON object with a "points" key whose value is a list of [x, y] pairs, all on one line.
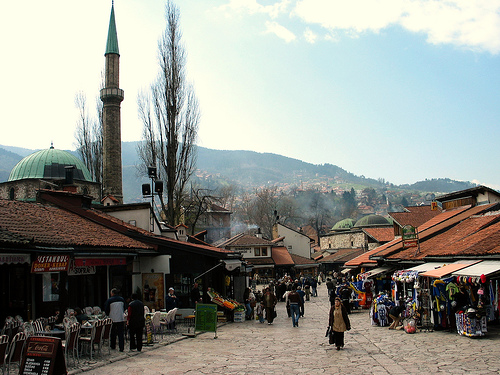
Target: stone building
{"points": [[48, 169]]}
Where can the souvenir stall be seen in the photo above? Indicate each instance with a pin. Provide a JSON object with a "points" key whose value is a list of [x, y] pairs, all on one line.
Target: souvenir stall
{"points": [[442, 305], [379, 311], [374, 281], [476, 297]]}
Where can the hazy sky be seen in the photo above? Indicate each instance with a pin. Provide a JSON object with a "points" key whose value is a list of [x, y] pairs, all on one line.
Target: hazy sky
{"points": [[397, 89]]}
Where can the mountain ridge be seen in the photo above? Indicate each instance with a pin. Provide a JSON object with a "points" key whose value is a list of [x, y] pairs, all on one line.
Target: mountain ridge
{"points": [[248, 169]]}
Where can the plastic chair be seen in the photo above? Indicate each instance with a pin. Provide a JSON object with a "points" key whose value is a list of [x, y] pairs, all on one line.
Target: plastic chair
{"points": [[96, 310], [156, 321], [28, 329], [15, 352], [70, 345], [4, 344], [170, 320], [94, 338], [106, 333], [38, 327]]}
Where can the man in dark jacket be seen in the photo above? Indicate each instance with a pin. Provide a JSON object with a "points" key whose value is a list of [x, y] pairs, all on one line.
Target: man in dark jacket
{"points": [[136, 322], [295, 302], [270, 302]]}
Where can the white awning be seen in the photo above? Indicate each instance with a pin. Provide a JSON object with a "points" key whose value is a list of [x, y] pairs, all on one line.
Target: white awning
{"points": [[14, 258], [232, 264], [377, 271], [486, 267], [345, 270]]}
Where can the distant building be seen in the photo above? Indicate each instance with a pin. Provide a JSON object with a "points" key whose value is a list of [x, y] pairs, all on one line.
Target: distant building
{"points": [[216, 221]]}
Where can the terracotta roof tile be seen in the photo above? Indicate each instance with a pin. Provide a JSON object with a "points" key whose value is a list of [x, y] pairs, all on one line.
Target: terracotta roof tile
{"points": [[300, 260], [341, 256], [414, 215], [282, 257], [243, 239], [53, 226], [380, 234]]}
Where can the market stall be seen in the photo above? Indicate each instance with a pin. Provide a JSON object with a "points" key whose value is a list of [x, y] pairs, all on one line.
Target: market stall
{"points": [[479, 286], [233, 310]]}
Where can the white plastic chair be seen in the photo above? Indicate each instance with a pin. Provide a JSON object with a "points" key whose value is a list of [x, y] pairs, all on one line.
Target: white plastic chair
{"points": [[156, 321]]}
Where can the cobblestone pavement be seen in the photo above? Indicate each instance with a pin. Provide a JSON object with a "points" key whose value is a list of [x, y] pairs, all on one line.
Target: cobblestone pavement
{"points": [[254, 348]]}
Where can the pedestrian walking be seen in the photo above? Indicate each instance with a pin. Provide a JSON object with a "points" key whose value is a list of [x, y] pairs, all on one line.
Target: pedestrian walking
{"points": [[302, 294], [307, 289], [114, 307], [136, 322], [270, 302], [339, 323], [260, 311], [295, 301]]}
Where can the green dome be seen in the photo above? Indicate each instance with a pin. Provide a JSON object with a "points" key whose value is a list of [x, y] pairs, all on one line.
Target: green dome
{"points": [[372, 220], [344, 224], [49, 164]]}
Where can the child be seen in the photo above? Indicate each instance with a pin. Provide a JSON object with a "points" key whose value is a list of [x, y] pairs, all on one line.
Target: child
{"points": [[260, 311]]}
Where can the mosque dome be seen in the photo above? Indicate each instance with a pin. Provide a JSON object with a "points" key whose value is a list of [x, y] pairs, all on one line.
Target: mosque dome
{"points": [[344, 224], [371, 221], [49, 164]]}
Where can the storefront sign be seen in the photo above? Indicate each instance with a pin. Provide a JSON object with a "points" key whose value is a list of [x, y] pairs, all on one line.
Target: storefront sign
{"points": [[43, 355], [409, 236], [14, 258], [83, 262], [74, 270], [50, 263]]}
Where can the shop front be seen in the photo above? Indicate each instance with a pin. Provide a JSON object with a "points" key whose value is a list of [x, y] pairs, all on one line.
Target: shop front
{"points": [[478, 286]]}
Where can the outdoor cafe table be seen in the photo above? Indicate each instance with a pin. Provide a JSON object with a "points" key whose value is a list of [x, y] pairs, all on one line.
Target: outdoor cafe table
{"points": [[52, 332]]}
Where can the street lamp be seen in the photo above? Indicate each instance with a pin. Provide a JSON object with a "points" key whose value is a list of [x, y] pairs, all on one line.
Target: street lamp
{"points": [[150, 190]]}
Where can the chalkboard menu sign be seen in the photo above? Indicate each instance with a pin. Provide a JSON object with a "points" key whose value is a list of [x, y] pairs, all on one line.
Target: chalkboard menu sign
{"points": [[43, 355], [206, 317], [149, 330]]}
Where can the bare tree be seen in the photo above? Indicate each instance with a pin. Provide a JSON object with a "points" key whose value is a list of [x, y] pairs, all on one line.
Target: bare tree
{"points": [[89, 137], [268, 207], [170, 116]]}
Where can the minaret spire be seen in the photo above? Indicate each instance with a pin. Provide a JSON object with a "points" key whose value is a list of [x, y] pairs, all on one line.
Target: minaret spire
{"points": [[112, 96]]}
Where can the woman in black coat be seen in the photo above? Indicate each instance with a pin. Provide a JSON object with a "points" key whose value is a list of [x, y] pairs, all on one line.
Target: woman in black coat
{"points": [[339, 323]]}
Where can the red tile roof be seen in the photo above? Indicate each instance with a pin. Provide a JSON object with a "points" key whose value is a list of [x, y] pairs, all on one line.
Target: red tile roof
{"points": [[302, 261], [282, 257], [52, 226], [243, 239], [436, 233], [414, 215], [341, 256], [380, 234]]}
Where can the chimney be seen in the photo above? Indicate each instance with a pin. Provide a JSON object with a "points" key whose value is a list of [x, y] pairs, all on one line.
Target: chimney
{"points": [[259, 233], [68, 179]]}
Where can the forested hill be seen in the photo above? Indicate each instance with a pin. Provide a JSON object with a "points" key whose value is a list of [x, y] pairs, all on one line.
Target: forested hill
{"points": [[249, 170]]}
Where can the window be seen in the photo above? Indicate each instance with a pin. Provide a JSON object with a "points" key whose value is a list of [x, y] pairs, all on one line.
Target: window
{"points": [[264, 251], [257, 251], [12, 194], [50, 287]]}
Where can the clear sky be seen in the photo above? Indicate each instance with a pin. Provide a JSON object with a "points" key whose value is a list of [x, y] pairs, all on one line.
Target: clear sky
{"points": [[397, 89]]}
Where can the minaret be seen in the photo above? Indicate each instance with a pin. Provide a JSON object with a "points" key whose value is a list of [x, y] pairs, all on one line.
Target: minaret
{"points": [[112, 96]]}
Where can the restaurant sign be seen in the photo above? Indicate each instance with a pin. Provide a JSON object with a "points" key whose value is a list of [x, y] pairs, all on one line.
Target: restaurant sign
{"points": [[82, 262], [74, 270], [50, 263], [409, 236]]}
